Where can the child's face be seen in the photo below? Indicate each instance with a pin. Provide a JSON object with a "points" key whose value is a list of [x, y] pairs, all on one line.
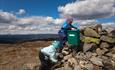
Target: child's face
{"points": [[70, 21]]}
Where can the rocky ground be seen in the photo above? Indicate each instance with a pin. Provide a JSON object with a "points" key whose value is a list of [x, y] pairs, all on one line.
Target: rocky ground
{"points": [[21, 56], [96, 52]]}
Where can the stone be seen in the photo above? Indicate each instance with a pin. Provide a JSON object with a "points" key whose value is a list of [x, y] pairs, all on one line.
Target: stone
{"points": [[81, 36], [72, 61], [107, 64], [113, 65], [60, 56], [65, 52], [107, 39], [89, 66], [88, 54], [104, 57], [94, 54], [96, 61], [109, 54], [103, 32], [65, 49], [82, 64], [80, 55], [105, 50], [67, 57], [95, 67], [113, 57], [104, 45], [57, 65], [109, 30], [87, 46], [61, 68], [67, 67], [82, 31], [62, 61], [91, 33], [77, 67], [91, 40], [99, 52], [98, 28], [112, 33], [113, 49]]}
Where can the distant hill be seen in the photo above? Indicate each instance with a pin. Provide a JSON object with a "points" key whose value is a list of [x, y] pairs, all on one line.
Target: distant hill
{"points": [[27, 37]]}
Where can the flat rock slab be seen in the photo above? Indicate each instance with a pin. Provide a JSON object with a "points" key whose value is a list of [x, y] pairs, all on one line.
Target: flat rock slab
{"points": [[96, 61], [112, 33], [87, 46], [107, 39], [104, 45], [91, 33]]}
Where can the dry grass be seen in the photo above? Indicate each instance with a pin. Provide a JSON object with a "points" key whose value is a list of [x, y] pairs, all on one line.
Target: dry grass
{"points": [[16, 56]]}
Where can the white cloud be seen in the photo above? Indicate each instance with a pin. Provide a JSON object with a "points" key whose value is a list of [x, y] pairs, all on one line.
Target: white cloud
{"points": [[6, 17], [108, 25], [21, 12], [92, 23], [10, 24], [40, 20], [88, 9], [83, 23], [86, 22], [59, 21]]}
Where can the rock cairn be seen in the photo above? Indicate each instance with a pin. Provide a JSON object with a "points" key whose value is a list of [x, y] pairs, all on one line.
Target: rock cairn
{"points": [[96, 52]]}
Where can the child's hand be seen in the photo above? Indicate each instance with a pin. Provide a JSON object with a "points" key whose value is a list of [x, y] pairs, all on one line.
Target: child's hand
{"points": [[72, 28]]}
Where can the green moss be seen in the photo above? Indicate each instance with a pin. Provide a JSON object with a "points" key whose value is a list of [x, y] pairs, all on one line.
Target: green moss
{"points": [[90, 39]]}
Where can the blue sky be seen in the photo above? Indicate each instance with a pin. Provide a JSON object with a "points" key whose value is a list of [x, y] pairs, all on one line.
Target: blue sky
{"points": [[106, 20], [34, 7], [40, 7]]}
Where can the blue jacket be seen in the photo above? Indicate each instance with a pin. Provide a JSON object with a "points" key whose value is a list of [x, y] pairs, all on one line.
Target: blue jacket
{"points": [[66, 26]]}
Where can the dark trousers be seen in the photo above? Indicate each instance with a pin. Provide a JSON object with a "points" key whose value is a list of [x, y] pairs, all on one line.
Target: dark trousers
{"points": [[45, 64], [62, 37]]}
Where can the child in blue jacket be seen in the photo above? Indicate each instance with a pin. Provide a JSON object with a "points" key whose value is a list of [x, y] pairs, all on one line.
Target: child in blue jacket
{"points": [[63, 31]]}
